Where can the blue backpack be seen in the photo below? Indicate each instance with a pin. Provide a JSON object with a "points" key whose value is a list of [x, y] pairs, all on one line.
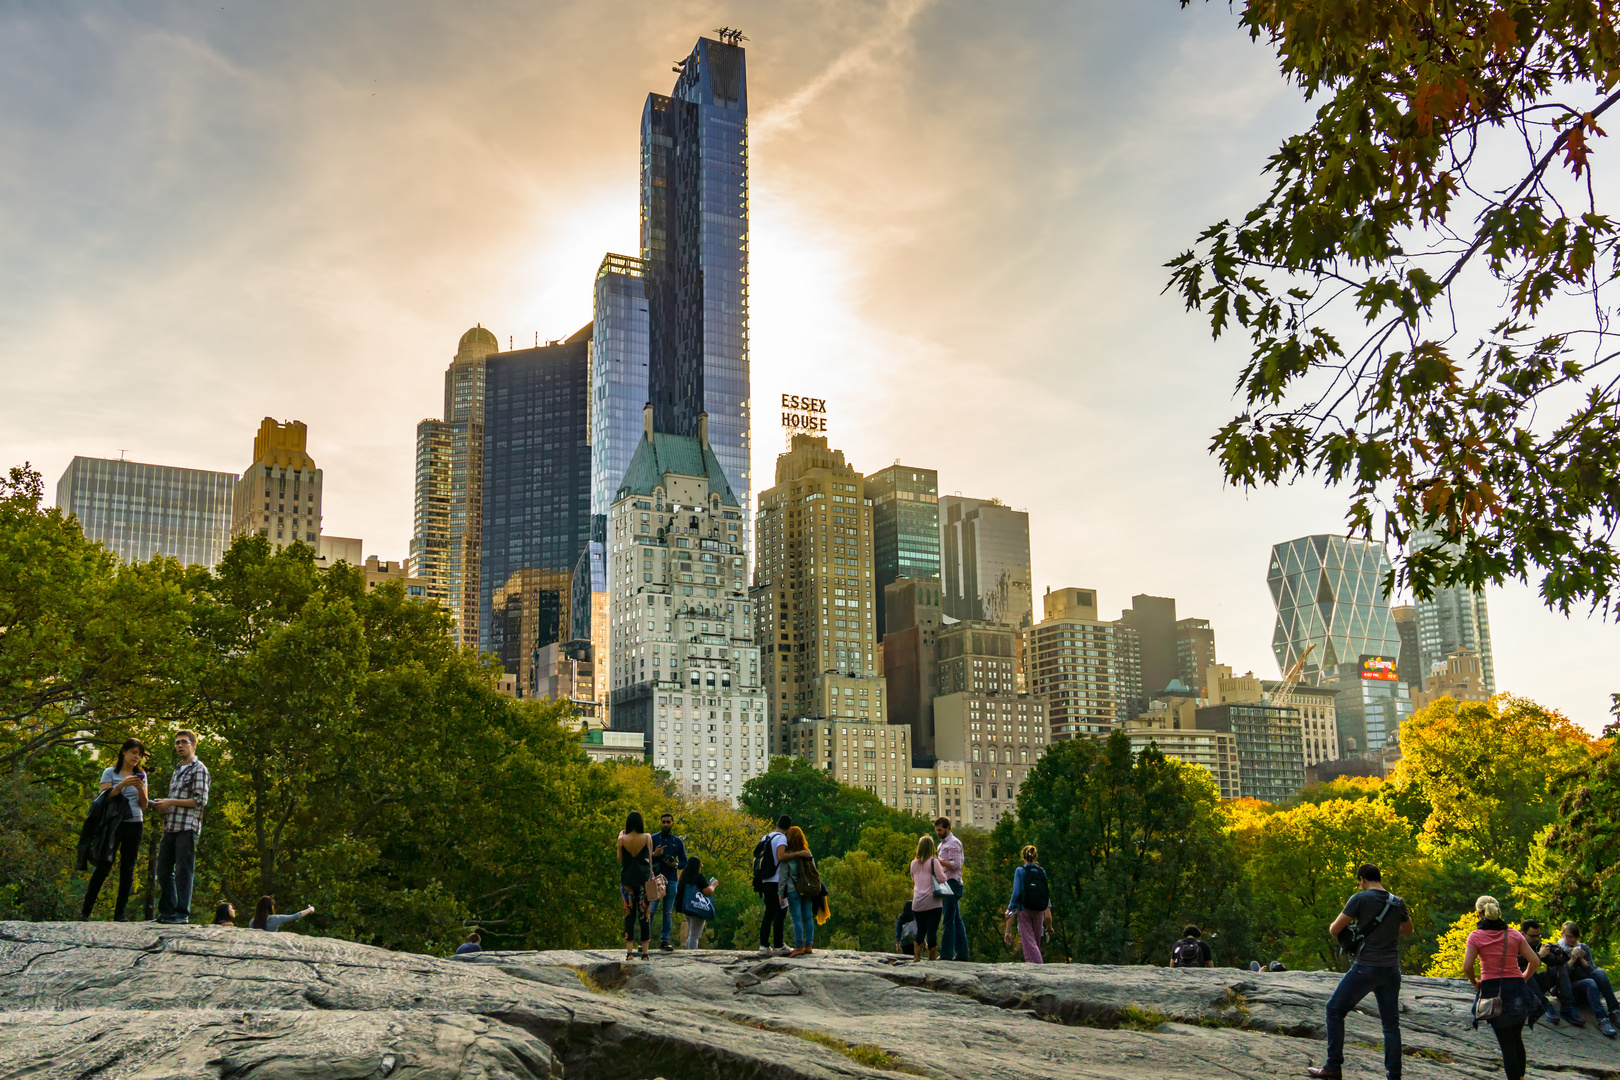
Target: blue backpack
{"points": [[696, 904]]}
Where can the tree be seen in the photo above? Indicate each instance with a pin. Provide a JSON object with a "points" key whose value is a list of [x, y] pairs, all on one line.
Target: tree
{"points": [[865, 894], [1451, 158], [1586, 839], [831, 814], [1489, 773], [1133, 847]]}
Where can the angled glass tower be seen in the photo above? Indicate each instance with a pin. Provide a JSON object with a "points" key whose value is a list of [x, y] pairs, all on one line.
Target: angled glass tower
{"points": [[694, 243], [1329, 592], [618, 378]]}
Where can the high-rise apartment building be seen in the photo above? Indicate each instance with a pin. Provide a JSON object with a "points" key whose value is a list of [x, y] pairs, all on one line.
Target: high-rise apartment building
{"points": [[1154, 620], [1195, 652], [1329, 593], [977, 658], [536, 493], [589, 613], [1129, 697], [1460, 676], [618, 376], [136, 510], [1073, 665], [1371, 704], [683, 667], [694, 250], [910, 658], [279, 495], [1271, 759], [998, 737], [1316, 705], [1170, 723], [1455, 617], [860, 753], [812, 579], [984, 561], [905, 529], [447, 525]]}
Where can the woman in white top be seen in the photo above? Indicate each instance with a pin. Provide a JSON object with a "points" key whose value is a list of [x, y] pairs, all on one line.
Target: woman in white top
{"points": [[925, 872], [129, 779]]}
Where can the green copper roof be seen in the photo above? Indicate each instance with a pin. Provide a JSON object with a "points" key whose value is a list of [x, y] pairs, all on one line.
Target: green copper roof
{"points": [[683, 455]]}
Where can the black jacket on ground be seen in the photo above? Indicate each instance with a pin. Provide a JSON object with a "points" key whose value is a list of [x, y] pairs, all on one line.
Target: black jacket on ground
{"points": [[98, 838]]}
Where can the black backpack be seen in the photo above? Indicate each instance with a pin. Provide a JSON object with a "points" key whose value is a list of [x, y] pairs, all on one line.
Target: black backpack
{"points": [[764, 863], [1036, 897], [1188, 953]]}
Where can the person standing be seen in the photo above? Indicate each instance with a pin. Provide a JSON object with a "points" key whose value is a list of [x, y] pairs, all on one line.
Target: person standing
{"points": [[128, 779], [768, 857], [1382, 919], [953, 939], [926, 872], [265, 917], [669, 859], [182, 825], [635, 869], [1491, 946], [800, 887], [691, 886], [1030, 906]]}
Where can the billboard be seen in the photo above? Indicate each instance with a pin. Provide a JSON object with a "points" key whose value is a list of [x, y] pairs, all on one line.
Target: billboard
{"points": [[1381, 668]]}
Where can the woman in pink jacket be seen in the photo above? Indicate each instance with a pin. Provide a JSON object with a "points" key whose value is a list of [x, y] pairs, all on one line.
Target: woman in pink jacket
{"points": [[925, 871]]}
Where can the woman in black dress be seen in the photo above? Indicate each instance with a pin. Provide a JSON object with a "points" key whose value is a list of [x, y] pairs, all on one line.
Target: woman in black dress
{"points": [[635, 867]]}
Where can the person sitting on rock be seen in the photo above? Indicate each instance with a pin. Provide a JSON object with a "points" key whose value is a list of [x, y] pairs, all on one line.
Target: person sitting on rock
{"points": [[905, 929], [1191, 951], [1381, 919], [473, 944], [1593, 980], [265, 917], [224, 914]]}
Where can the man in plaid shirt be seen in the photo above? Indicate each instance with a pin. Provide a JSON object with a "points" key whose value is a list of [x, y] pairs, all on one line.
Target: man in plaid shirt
{"points": [[182, 821]]}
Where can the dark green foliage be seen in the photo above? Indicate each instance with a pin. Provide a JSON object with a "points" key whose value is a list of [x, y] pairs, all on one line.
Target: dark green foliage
{"points": [[831, 814]]}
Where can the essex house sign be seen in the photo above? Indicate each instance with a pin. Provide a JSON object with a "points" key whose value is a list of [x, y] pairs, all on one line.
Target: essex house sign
{"points": [[803, 414]]}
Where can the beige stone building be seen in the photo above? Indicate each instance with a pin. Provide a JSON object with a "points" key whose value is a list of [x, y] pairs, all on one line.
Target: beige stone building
{"points": [[279, 494], [379, 571], [1318, 717], [1074, 665], [997, 737], [1171, 724], [1460, 676], [864, 754], [813, 597]]}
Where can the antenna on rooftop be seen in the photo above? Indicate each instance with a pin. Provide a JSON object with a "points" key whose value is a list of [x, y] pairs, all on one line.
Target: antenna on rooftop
{"points": [[729, 35], [120, 455]]}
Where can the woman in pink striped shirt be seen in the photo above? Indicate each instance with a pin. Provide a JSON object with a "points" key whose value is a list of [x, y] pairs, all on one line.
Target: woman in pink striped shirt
{"points": [[1497, 947]]}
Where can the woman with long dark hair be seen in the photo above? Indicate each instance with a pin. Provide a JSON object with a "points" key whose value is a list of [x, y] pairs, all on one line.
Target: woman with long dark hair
{"points": [[692, 883], [128, 779], [635, 867], [1497, 947], [265, 917]]}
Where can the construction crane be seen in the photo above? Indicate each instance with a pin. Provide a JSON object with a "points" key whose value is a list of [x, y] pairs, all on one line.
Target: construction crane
{"points": [[1290, 678]]}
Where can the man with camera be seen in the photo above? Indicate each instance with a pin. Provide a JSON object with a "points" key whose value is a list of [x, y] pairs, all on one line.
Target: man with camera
{"points": [[1369, 928]]}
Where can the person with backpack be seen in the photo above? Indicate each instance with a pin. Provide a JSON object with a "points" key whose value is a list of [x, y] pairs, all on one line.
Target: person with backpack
{"points": [[1369, 928], [801, 887], [693, 895], [928, 892], [1191, 951], [768, 855], [1030, 906]]}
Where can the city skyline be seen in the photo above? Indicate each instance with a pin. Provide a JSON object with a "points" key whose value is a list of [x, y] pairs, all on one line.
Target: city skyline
{"points": [[361, 346]]}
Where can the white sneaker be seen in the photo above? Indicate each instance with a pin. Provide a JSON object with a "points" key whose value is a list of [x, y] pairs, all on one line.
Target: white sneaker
{"points": [[783, 951], [764, 950]]}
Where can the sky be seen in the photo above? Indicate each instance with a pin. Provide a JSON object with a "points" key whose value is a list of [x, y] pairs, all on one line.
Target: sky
{"points": [[960, 213]]}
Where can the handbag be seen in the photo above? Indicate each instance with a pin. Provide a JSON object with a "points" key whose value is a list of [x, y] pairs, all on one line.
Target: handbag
{"points": [[656, 887], [942, 890], [697, 905], [1489, 1008], [809, 883]]}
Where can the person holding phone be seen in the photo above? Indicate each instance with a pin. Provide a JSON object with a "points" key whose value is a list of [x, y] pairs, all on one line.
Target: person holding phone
{"points": [[693, 882], [127, 778]]}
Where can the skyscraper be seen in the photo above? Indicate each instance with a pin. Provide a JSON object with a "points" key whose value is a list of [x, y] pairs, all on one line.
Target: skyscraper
{"points": [[984, 564], [1454, 618], [137, 510], [910, 658], [1154, 620], [694, 244], [1195, 652], [684, 668], [447, 523], [536, 477], [618, 377], [905, 529], [1329, 592], [1074, 665], [813, 592], [279, 495]]}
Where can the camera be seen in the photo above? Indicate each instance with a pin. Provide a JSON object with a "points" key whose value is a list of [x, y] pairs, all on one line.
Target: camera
{"points": [[1557, 955]]}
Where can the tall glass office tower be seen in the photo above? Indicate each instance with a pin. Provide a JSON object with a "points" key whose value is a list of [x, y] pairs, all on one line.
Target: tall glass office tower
{"points": [[1329, 592], [1454, 618], [618, 379], [905, 528], [694, 243], [138, 510]]}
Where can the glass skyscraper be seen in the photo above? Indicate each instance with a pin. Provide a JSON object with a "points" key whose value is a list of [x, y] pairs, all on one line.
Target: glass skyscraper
{"points": [[138, 510], [694, 244], [1329, 592], [1453, 618], [536, 491], [618, 378], [984, 561], [905, 528]]}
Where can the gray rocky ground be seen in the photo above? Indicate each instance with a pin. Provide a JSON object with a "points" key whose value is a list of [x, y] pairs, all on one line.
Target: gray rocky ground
{"points": [[109, 1001]]}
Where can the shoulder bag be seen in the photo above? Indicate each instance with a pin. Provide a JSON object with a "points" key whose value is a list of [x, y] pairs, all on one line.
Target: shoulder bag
{"points": [[1489, 1008], [941, 889], [655, 887]]}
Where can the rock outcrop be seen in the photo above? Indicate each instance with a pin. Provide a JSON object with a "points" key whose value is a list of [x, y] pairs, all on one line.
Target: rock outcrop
{"points": [[109, 1001]]}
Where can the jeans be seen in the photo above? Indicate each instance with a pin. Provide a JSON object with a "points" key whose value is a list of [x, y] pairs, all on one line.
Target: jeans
{"points": [[694, 931], [953, 943], [177, 864], [127, 851], [1601, 979], [1384, 983], [667, 904], [775, 915], [803, 910], [1547, 978], [1588, 989]]}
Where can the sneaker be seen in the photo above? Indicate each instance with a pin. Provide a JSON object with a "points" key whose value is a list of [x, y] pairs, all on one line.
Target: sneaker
{"points": [[1552, 1015], [784, 951], [664, 946], [1254, 965], [764, 951], [1606, 1026], [1574, 1018]]}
